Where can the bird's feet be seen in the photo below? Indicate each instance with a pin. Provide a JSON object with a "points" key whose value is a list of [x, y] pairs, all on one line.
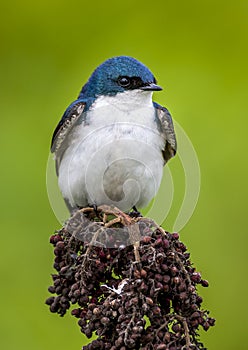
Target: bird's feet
{"points": [[89, 209], [134, 213]]}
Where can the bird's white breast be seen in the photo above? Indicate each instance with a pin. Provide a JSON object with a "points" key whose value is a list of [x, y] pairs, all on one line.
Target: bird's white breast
{"points": [[114, 156]]}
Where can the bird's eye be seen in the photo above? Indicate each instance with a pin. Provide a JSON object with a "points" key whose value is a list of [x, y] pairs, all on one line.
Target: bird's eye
{"points": [[124, 82]]}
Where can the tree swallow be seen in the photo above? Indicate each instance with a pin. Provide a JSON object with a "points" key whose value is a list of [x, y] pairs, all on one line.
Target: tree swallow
{"points": [[112, 142]]}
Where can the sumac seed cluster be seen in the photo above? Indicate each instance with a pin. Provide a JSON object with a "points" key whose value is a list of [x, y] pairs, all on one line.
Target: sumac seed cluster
{"points": [[129, 303]]}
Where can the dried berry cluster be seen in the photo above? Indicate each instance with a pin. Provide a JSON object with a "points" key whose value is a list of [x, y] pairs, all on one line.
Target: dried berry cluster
{"points": [[139, 296]]}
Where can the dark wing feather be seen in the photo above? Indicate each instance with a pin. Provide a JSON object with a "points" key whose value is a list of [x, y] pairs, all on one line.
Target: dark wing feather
{"points": [[67, 122], [167, 129]]}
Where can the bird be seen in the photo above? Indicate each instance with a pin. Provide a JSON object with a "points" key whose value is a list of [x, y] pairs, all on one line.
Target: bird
{"points": [[113, 141]]}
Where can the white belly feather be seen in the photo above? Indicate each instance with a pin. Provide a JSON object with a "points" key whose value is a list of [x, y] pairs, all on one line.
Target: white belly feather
{"points": [[116, 157]]}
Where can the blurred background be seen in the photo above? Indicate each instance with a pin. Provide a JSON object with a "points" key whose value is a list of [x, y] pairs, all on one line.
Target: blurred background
{"points": [[198, 52]]}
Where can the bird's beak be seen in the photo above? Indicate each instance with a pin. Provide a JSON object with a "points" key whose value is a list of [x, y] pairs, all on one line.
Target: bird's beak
{"points": [[151, 87]]}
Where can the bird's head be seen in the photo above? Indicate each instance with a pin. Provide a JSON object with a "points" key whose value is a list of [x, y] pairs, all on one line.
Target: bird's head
{"points": [[119, 74]]}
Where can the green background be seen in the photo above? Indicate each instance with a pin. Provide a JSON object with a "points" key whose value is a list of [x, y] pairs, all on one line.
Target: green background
{"points": [[198, 52]]}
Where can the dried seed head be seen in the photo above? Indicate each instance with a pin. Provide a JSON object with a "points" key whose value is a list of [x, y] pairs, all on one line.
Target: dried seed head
{"points": [[128, 304]]}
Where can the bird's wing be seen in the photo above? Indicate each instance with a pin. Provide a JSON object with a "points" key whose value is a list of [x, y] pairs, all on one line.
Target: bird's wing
{"points": [[167, 129], [64, 127]]}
